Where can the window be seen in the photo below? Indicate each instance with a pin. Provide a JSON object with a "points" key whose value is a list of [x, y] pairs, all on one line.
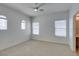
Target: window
{"points": [[35, 28], [60, 28], [23, 24], [3, 22]]}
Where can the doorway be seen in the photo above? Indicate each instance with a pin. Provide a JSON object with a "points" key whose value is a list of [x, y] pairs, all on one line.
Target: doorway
{"points": [[77, 32]]}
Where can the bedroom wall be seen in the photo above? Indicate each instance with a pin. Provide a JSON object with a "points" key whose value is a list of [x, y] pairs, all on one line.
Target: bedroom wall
{"points": [[46, 31], [14, 35]]}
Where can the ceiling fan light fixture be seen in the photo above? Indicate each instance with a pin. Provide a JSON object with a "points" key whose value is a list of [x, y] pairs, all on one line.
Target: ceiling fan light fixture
{"points": [[35, 10]]}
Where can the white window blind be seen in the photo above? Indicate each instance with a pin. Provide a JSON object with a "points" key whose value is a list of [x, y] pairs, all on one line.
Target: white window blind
{"points": [[60, 28], [23, 24], [3, 22], [35, 28]]}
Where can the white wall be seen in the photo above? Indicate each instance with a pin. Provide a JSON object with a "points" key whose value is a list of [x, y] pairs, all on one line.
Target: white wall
{"points": [[73, 11], [13, 35], [47, 27]]}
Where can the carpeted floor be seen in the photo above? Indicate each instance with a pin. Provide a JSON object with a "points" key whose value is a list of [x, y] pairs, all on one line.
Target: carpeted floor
{"points": [[38, 48]]}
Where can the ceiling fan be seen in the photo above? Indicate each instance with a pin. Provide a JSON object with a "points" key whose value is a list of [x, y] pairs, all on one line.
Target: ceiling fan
{"points": [[38, 7]]}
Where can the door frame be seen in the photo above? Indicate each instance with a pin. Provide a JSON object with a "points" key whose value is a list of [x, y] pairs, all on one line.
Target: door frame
{"points": [[74, 30]]}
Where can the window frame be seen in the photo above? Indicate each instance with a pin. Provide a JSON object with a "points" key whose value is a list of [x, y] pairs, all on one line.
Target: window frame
{"points": [[33, 28], [65, 28], [3, 19], [23, 22]]}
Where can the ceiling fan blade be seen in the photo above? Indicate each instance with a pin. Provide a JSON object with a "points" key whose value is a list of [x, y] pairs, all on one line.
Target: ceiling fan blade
{"points": [[38, 5], [41, 10], [41, 4]]}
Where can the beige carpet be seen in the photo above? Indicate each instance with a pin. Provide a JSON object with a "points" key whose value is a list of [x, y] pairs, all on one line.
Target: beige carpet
{"points": [[38, 48]]}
